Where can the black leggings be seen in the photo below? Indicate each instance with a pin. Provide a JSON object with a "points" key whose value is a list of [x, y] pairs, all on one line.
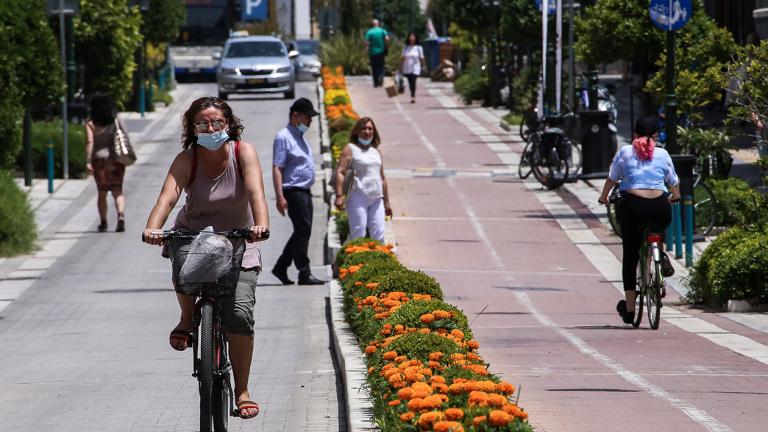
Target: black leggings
{"points": [[412, 83], [635, 216]]}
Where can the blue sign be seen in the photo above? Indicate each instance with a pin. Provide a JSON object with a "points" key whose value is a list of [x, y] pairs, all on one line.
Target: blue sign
{"points": [[670, 15], [552, 6], [254, 10]]}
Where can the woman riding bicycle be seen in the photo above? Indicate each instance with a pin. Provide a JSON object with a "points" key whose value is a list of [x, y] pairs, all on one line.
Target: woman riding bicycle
{"points": [[222, 178], [644, 171]]}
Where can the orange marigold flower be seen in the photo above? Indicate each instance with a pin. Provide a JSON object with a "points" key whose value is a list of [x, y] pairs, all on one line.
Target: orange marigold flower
{"points": [[437, 355], [433, 364], [407, 416], [477, 421], [427, 419], [448, 426], [437, 379], [422, 386], [473, 356], [400, 359], [456, 388], [441, 314], [478, 398], [394, 402], [478, 369], [433, 401], [473, 344], [424, 331], [358, 283], [512, 410], [370, 349], [421, 297], [498, 418], [371, 369], [427, 318], [421, 393], [405, 393], [395, 378], [454, 413], [440, 387], [389, 355], [505, 387], [372, 285], [497, 400], [414, 404], [458, 334]]}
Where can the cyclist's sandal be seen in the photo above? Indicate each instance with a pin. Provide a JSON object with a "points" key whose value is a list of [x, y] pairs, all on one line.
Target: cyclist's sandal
{"points": [[666, 266], [178, 335], [245, 405]]}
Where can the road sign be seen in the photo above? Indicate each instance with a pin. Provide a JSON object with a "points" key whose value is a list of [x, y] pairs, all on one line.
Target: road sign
{"points": [[255, 10], [552, 6], [54, 7], [670, 15]]}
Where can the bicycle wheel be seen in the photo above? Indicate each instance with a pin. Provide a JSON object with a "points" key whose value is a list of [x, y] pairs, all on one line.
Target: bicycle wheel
{"points": [[222, 390], [205, 366], [639, 298], [653, 291], [524, 169], [527, 124], [704, 208]]}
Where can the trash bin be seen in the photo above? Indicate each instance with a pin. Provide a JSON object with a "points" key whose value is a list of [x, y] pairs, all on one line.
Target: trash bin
{"points": [[432, 54], [598, 144]]}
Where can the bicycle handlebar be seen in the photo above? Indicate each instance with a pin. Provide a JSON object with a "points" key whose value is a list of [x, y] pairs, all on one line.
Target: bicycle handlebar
{"points": [[242, 233]]}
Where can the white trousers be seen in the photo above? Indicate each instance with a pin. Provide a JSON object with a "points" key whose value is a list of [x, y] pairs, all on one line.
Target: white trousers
{"points": [[365, 213]]}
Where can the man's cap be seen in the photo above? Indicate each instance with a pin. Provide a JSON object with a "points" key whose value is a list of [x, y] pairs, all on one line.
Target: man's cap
{"points": [[304, 106]]}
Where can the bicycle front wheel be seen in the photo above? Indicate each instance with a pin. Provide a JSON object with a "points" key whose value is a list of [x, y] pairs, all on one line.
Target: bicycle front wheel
{"points": [[222, 400], [205, 367]]}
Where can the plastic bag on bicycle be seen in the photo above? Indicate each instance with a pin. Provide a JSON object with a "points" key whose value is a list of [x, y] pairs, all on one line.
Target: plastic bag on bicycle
{"points": [[208, 259], [554, 138]]}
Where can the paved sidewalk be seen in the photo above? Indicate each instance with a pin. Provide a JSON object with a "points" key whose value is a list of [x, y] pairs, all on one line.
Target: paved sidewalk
{"points": [[85, 320], [539, 275]]}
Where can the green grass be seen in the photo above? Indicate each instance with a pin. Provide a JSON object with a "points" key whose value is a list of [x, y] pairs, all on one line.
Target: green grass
{"points": [[513, 119]]}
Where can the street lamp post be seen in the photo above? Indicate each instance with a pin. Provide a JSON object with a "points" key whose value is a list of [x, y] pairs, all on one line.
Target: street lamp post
{"points": [[144, 8]]}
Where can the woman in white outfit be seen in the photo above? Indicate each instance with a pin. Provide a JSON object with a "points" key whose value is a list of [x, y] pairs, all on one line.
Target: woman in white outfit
{"points": [[411, 61], [368, 200]]}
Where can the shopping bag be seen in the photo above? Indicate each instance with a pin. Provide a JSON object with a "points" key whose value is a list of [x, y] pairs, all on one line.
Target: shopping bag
{"points": [[389, 87]]}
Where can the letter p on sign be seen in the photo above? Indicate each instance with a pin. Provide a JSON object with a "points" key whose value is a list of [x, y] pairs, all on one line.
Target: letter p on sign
{"points": [[255, 10]]}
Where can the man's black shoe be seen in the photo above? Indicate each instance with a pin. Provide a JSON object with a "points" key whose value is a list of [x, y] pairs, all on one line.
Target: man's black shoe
{"points": [[310, 280], [282, 274]]}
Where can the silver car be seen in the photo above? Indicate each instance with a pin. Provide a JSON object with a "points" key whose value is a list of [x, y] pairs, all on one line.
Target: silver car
{"points": [[255, 64], [308, 61]]}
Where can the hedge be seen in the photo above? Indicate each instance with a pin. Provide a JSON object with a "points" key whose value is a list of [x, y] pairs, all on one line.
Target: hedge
{"points": [[18, 231]]}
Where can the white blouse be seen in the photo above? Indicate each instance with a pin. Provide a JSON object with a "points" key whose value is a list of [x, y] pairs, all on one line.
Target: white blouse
{"points": [[413, 55]]}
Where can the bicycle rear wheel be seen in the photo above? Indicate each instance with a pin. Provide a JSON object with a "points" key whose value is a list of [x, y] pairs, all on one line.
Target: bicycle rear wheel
{"points": [[639, 298], [524, 168], [205, 367], [653, 292]]}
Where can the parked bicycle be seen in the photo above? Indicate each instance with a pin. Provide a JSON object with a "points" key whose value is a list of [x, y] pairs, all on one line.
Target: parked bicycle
{"points": [[549, 153], [210, 362]]}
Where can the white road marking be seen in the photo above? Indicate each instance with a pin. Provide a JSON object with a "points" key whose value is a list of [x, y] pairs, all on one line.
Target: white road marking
{"points": [[696, 414]]}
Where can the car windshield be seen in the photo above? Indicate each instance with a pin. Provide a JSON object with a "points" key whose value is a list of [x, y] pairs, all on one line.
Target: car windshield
{"points": [[308, 47], [256, 49]]}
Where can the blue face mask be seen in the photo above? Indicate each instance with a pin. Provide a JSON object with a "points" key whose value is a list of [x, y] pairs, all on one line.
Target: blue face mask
{"points": [[212, 141], [302, 127], [364, 142]]}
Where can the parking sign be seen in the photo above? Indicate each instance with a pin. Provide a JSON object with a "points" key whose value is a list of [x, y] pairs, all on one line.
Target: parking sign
{"points": [[254, 10]]}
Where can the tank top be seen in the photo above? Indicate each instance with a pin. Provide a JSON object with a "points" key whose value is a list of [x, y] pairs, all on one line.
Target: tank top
{"points": [[366, 164], [221, 203], [103, 140]]}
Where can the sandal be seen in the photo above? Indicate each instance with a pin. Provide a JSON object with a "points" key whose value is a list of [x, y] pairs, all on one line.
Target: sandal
{"points": [[180, 335], [245, 405]]}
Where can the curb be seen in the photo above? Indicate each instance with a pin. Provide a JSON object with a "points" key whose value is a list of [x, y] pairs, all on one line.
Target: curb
{"points": [[354, 373]]}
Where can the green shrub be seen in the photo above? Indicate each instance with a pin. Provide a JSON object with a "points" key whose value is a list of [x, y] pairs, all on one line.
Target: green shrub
{"points": [[732, 267], [409, 314], [369, 271], [342, 255], [409, 282], [346, 51], [738, 203], [42, 133], [472, 84], [418, 346], [18, 231], [367, 257], [524, 90]]}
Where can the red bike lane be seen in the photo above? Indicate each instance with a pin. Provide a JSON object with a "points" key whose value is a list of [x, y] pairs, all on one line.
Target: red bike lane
{"points": [[540, 308]]}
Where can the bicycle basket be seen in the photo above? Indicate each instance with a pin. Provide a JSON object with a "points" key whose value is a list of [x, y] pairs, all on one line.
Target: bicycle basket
{"points": [[555, 138], [207, 265]]}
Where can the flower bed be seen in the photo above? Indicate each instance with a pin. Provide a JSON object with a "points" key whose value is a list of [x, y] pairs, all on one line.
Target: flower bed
{"points": [[338, 109], [424, 369]]}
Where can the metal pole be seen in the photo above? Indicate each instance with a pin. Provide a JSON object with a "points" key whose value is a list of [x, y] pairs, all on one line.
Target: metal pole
{"points": [[142, 85], [571, 61], [558, 53], [671, 103], [543, 75], [688, 212], [64, 115], [677, 227], [27, 147], [50, 166]]}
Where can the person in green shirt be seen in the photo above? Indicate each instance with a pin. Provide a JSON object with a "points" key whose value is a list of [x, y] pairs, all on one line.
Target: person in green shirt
{"points": [[376, 39]]}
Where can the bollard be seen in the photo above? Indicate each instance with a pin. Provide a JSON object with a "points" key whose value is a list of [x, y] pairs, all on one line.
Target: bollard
{"points": [[677, 228], [688, 214], [50, 166]]}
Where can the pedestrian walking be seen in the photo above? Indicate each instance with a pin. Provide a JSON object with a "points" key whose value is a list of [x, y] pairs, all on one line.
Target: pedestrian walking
{"points": [[411, 61], [293, 173], [367, 200], [376, 39], [648, 182], [100, 130], [222, 178]]}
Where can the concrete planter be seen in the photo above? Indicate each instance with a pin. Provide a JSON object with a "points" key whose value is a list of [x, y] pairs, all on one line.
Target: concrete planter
{"points": [[745, 306]]}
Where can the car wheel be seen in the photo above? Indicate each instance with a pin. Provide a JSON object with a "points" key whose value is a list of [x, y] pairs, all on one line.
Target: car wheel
{"points": [[223, 96], [290, 94]]}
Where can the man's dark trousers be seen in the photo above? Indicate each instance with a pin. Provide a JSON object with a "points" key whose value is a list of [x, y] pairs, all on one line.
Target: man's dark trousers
{"points": [[300, 212], [377, 69]]}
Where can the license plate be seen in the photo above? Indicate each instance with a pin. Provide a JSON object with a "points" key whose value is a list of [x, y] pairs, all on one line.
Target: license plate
{"points": [[256, 81], [194, 70]]}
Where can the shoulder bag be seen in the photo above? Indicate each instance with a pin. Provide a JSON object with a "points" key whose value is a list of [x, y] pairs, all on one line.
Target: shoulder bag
{"points": [[122, 148]]}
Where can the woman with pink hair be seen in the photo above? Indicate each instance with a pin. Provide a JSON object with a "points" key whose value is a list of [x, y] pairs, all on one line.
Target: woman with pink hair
{"points": [[643, 172]]}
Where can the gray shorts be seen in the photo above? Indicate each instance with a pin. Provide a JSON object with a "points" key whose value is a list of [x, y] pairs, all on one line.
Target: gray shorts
{"points": [[237, 310]]}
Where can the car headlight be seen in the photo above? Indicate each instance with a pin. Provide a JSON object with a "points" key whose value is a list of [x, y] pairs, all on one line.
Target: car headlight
{"points": [[284, 69], [230, 71]]}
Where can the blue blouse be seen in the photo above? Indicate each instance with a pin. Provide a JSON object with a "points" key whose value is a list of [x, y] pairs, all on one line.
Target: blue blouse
{"points": [[638, 174]]}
